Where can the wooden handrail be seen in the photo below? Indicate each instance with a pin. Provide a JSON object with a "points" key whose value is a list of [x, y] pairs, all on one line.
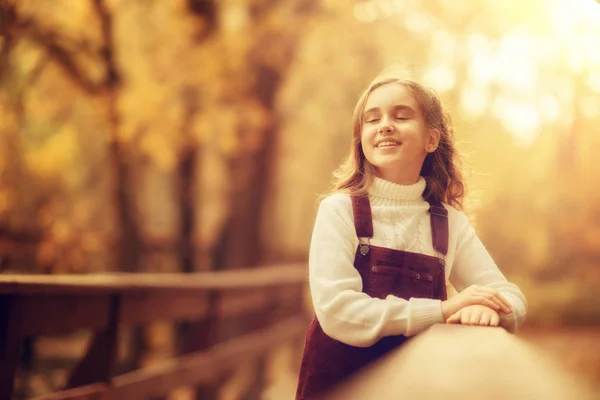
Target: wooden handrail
{"points": [[464, 362], [142, 282], [56, 304]]}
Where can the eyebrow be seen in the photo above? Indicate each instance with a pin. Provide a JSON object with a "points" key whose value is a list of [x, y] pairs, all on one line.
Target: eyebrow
{"points": [[395, 108]]}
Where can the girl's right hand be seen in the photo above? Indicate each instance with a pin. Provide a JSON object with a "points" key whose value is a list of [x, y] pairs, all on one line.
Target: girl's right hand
{"points": [[476, 294]]}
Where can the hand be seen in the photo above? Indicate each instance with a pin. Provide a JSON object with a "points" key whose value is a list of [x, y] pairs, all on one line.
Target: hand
{"points": [[475, 315], [475, 294]]}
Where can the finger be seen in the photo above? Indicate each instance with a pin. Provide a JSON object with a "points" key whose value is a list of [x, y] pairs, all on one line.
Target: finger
{"points": [[495, 320], [497, 296], [454, 318], [475, 317], [465, 318], [484, 301], [488, 289], [486, 318], [495, 304], [506, 304], [503, 307]]}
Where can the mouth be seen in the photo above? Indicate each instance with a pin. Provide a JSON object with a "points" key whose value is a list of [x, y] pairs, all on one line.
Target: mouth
{"points": [[387, 143]]}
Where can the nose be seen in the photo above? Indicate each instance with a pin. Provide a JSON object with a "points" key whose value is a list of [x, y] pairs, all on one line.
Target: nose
{"points": [[385, 128]]}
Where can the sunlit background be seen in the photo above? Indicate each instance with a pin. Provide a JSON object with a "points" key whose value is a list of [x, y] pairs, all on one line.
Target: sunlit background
{"points": [[121, 118]]}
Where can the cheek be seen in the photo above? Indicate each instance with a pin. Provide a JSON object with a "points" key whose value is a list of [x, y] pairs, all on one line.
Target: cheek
{"points": [[366, 144], [365, 148], [368, 135], [364, 139], [416, 134]]}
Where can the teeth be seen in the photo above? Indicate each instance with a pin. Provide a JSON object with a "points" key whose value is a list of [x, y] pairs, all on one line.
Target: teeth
{"points": [[387, 143]]}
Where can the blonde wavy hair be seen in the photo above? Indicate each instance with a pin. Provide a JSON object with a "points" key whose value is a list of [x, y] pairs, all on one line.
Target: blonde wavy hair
{"points": [[441, 169]]}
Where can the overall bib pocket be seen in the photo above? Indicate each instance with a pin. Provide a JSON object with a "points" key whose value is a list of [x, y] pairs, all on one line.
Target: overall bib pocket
{"points": [[399, 281]]}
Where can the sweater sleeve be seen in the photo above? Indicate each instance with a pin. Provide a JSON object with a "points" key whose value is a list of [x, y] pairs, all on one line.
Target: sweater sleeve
{"points": [[473, 265], [343, 310]]}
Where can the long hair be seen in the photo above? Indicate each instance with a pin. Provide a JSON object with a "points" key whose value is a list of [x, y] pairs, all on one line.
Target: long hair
{"points": [[441, 168]]}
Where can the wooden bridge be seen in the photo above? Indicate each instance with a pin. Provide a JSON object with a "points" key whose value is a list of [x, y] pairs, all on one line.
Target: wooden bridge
{"points": [[32, 305], [446, 361]]}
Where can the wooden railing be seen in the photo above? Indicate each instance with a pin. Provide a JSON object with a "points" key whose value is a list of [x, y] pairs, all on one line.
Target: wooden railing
{"points": [[466, 362], [32, 305]]}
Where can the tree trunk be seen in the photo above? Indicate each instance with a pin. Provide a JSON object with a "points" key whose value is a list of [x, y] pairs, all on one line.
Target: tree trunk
{"points": [[186, 171]]}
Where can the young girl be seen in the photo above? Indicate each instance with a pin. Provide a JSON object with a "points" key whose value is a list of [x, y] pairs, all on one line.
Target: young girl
{"points": [[385, 242]]}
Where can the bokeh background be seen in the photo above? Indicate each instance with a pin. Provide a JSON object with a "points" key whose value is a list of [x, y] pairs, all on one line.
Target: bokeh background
{"points": [[187, 135]]}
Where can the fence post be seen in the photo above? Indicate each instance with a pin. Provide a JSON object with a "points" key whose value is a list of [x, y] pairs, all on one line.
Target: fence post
{"points": [[99, 362], [10, 336], [199, 335]]}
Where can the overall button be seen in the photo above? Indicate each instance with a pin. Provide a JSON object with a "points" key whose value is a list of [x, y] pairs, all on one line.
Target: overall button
{"points": [[364, 249], [429, 278], [418, 276]]}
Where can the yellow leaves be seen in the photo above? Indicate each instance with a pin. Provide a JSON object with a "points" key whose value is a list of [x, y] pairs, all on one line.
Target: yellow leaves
{"points": [[73, 19], [153, 123], [27, 55], [202, 128], [255, 122], [3, 161], [228, 143], [233, 127], [51, 98], [56, 155], [46, 253], [142, 102], [91, 243], [224, 124], [61, 232], [157, 145], [5, 202], [235, 18], [154, 42], [70, 238]]}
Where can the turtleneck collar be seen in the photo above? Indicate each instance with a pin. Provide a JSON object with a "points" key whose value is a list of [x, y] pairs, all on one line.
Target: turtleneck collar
{"points": [[393, 191]]}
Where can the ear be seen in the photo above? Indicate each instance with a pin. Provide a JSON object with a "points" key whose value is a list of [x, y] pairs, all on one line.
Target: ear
{"points": [[433, 140]]}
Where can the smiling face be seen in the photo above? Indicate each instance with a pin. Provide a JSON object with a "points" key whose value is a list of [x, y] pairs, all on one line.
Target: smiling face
{"points": [[394, 135]]}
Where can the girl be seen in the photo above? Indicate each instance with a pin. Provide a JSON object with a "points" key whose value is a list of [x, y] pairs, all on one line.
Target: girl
{"points": [[385, 242]]}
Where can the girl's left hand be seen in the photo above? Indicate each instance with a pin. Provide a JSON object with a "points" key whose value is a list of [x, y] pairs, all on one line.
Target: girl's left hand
{"points": [[475, 315]]}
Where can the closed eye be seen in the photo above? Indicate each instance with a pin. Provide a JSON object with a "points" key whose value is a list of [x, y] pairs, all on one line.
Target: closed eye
{"points": [[371, 121]]}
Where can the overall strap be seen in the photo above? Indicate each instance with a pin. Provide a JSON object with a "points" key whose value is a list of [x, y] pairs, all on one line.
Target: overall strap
{"points": [[361, 207], [439, 226]]}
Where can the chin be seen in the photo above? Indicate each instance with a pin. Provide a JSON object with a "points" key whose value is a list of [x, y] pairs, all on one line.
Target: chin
{"points": [[387, 163]]}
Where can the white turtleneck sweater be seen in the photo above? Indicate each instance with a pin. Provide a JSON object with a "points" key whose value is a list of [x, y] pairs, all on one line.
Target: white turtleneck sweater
{"points": [[401, 221]]}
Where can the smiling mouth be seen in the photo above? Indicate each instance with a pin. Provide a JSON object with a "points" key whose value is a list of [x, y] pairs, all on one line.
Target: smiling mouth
{"points": [[387, 143]]}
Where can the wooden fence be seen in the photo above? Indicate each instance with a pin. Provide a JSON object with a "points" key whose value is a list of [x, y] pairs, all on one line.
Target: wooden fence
{"points": [[446, 361], [32, 305]]}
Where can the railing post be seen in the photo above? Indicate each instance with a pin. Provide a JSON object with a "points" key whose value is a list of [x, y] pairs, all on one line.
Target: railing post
{"points": [[270, 316], [9, 342], [199, 335], [99, 362]]}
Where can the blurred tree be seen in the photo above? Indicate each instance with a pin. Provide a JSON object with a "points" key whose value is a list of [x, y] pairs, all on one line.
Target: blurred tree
{"points": [[71, 55], [268, 56], [197, 134]]}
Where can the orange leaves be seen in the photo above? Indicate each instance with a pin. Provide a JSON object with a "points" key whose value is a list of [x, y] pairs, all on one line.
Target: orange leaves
{"points": [[158, 146], [56, 155]]}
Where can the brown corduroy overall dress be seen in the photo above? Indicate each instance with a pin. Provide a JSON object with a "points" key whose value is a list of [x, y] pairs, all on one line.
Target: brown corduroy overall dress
{"points": [[327, 361]]}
